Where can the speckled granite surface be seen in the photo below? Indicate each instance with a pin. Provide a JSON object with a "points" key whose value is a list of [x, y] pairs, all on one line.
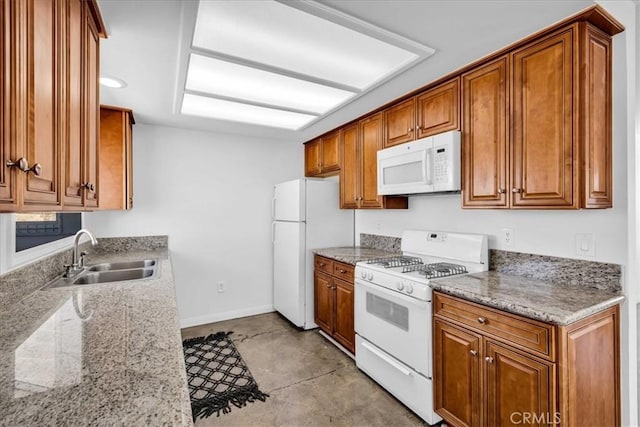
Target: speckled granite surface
{"points": [[545, 301], [564, 271], [352, 254], [384, 243], [105, 354]]}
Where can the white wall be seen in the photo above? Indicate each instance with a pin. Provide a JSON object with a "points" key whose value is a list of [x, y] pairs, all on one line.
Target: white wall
{"points": [[211, 193]]}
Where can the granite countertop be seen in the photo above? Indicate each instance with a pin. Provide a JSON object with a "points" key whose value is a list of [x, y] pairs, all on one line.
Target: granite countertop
{"points": [[353, 254], [549, 302], [104, 354]]}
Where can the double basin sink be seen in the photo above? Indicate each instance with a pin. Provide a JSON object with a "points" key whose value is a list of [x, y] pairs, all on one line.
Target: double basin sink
{"points": [[109, 272]]}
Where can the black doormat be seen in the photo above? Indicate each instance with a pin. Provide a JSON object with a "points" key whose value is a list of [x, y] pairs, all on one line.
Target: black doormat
{"points": [[217, 376]]}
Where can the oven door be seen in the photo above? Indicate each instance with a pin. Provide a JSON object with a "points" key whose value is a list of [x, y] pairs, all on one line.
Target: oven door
{"points": [[398, 324]]}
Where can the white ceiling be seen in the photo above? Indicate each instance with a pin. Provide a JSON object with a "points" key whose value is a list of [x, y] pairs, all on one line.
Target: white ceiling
{"points": [[145, 38]]}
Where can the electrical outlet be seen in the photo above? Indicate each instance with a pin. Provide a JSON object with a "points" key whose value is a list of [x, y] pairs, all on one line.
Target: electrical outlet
{"points": [[508, 237], [585, 244], [221, 286]]}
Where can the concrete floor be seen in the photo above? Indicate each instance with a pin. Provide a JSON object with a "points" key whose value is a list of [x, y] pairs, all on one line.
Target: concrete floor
{"points": [[310, 381]]}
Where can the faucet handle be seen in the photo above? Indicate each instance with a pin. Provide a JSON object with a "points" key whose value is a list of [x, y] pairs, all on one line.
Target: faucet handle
{"points": [[67, 270], [82, 255]]}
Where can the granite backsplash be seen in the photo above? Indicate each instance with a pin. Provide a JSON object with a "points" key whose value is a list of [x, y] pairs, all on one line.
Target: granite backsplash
{"points": [[383, 243]]}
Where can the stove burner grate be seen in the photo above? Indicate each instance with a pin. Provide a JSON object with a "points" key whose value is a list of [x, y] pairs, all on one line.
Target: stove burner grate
{"points": [[435, 270], [397, 261]]}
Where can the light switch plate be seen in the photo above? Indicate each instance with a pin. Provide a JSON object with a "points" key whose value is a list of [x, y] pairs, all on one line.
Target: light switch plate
{"points": [[585, 244]]}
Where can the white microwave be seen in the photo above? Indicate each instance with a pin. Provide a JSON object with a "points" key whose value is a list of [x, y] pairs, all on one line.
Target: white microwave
{"points": [[428, 165]]}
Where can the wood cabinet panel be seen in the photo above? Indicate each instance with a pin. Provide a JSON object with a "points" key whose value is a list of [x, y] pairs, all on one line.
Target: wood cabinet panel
{"points": [[323, 301], [596, 131], [43, 101], [351, 166], [457, 383], [323, 264], [438, 109], [543, 134], [331, 152], [484, 136], [8, 175], [344, 330], [370, 142], [590, 371], [92, 112], [344, 271], [399, 123], [312, 166], [115, 162], [518, 385]]}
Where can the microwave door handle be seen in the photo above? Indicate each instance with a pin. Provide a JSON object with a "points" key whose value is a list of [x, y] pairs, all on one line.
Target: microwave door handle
{"points": [[429, 168]]}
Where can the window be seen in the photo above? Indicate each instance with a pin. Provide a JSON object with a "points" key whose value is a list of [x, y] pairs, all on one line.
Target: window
{"points": [[35, 229]]}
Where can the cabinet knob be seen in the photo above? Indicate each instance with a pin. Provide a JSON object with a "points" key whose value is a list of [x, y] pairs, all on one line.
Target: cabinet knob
{"points": [[342, 271], [328, 285], [418, 127], [21, 164], [516, 190], [489, 359], [321, 264], [473, 352], [502, 190], [89, 186], [36, 169], [482, 320], [409, 130]]}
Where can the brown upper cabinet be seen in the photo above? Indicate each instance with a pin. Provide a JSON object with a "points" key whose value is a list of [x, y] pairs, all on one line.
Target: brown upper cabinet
{"points": [[434, 111], [322, 155], [536, 130], [359, 147], [116, 158], [50, 61]]}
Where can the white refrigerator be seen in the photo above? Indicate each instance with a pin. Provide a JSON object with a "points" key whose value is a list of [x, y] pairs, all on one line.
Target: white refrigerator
{"points": [[306, 216]]}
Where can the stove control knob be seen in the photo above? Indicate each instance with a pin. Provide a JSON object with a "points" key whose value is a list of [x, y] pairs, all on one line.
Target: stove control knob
{"points": [[400, 285], [409, 288], [369, 276], [363, 274]]}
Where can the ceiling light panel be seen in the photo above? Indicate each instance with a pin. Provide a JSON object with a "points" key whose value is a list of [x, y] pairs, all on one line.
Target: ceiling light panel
{"points": [[227, 110], [277, 35], [222, 78]]}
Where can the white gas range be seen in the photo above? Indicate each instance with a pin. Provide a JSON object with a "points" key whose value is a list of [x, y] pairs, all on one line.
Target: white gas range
{"points": [[393, 311]]}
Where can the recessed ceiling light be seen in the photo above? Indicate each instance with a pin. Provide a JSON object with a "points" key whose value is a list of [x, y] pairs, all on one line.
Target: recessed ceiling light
{"points": [[226, 79], [197, 105], [112, 82]]}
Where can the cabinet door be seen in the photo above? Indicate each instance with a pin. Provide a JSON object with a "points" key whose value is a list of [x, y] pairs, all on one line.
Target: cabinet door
{"points": [[344, 331], [331, 152], [323, 301], [439, 109], [484, 135], [518, 387], [370, 143], [312, 166], [92, 110], [543, 140], [73, 135], [351, 166], [399, 123], [42, 189], [8, 175], [457, 374]]}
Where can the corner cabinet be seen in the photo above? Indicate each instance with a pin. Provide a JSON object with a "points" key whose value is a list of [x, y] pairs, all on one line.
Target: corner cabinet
{"points": [[334, 300], [359, 147], [50, 61], [493, 368], [116, 158], [536, 128]]}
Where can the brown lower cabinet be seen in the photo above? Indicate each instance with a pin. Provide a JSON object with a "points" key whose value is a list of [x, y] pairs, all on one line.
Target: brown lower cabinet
{"points": [[333, 300], [493, 368]]}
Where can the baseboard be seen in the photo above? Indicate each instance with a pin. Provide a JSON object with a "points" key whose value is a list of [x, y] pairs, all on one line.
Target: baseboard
{"points": [[336, 343], [227, 315]]}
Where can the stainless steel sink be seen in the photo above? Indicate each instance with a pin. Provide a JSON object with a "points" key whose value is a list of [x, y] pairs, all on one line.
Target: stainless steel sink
{"points": [[110, 272], [110, 266], [113, 276]]}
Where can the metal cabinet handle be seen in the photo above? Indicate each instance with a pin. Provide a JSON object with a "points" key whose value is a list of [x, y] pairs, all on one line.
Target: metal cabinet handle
{"points": [[502, 190], [482, 320], [328, 285], [473, 352], [89, 186], [418, 127], [36, 169], [21, 164], [489, 359], [516, 190], [321, 264], [341, 271]]}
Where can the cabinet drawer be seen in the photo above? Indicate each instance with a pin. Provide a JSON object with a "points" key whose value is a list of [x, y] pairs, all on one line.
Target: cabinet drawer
{"points": [[324, 264], [343, 271], [527, 334]]}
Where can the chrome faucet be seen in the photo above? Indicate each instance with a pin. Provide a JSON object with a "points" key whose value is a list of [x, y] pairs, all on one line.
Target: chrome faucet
{"points": [[77, 265]]}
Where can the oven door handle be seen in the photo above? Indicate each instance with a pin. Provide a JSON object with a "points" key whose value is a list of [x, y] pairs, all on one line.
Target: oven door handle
{"points": [[396, 296], [387, 359]]}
